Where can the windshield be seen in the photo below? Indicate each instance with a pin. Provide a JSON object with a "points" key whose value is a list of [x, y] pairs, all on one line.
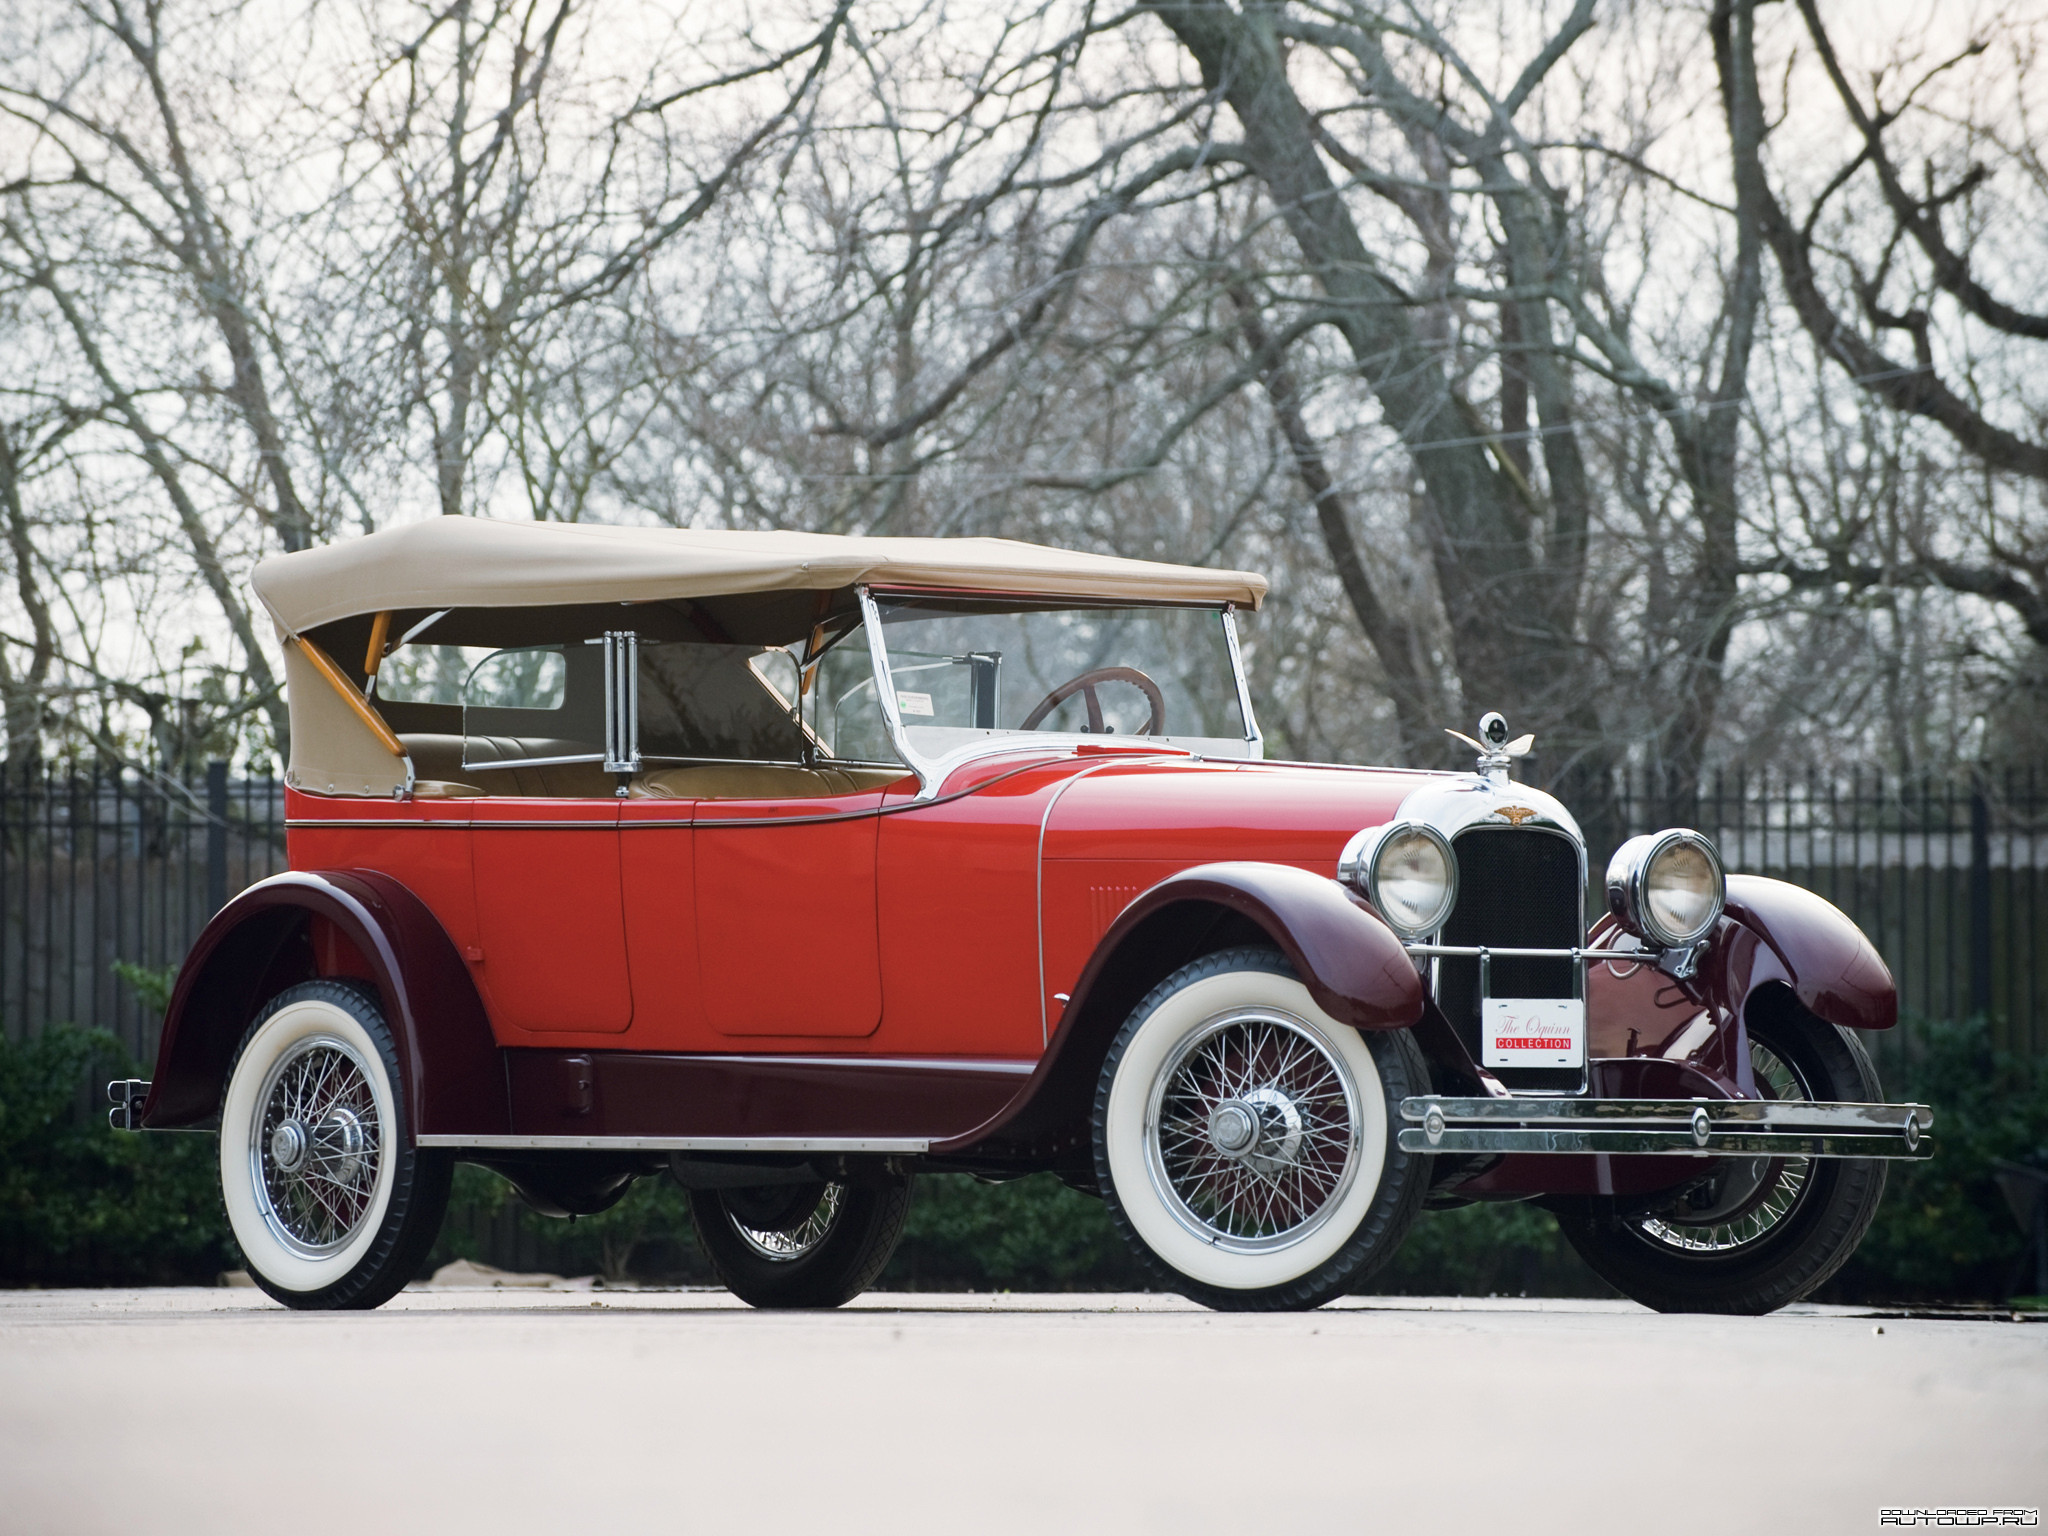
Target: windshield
{"points": [[965, 670]]}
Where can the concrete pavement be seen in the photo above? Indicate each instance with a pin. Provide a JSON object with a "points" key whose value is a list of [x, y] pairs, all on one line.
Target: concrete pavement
{"points": [[585, 1411]]}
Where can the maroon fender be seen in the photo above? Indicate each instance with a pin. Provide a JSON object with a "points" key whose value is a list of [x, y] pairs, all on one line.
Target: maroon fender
{"points": [[1784, 933], [301, 925], [1344, 953], [1350, 961]]}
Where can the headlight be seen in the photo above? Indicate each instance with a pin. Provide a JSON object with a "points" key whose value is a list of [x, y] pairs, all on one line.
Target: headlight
{"points": [[1407, 871], [1667, 887]]}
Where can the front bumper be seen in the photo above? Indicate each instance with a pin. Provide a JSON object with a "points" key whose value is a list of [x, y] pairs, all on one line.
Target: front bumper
{"points": [[1667, 1128]]}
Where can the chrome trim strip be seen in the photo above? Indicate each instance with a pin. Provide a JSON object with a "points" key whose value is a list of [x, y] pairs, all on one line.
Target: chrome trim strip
{"points": [[533, 762], [1044, 822], [885, 690], [679, 1143], [464, 823], [1252, 734], [294, 823], [486, 824], [1010, 1065]]}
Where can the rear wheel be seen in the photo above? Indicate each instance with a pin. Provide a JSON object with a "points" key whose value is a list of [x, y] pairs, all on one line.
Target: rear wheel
{"points": [[802, 1245], [1758, 1233], [1245, 1140], [332, 1204]]}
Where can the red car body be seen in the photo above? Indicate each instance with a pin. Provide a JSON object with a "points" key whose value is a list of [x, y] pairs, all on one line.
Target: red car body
{"points": [[926, 966]]}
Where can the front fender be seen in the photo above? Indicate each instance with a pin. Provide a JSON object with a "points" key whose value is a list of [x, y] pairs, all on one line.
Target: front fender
{"points": [[1783, 933], [1347, 957], [1344, 953], [259, 944]]}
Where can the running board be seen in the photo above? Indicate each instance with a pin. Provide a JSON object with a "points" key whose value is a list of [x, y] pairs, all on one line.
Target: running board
{"points": [[1667, 1127]]}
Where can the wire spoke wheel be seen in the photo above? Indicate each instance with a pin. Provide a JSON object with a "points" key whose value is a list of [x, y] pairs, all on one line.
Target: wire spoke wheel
{"points": [[785, 1246], [317, 1146], [1245, 1140], [1252, 1131], [1765, 1192], [811, 1245]]}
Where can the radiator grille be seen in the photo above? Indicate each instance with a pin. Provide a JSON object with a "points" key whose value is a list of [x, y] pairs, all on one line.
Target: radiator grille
{"points": [[1517, 889]]}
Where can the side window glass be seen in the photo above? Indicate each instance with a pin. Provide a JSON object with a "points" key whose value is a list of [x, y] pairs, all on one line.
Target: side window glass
{"points": [[844, 707], [429, 674], [534, 704], [718, 704], [533, 678]]}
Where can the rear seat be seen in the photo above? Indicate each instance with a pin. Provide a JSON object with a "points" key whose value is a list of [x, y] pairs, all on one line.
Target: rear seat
{"points": [[438, 774]]}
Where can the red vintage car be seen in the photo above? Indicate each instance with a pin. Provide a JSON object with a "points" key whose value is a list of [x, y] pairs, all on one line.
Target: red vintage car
{"points": [[790, 865]]}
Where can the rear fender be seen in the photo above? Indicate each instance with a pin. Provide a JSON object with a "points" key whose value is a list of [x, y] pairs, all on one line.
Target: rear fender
{"points": [[304, 924], [1347, 957]]}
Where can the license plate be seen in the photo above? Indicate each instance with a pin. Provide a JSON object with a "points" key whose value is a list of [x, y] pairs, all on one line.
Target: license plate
{"points": [[1533, 1032]]}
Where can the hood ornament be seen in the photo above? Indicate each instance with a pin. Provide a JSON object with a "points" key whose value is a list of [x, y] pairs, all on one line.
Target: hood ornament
{"points": [[1496, 753]]}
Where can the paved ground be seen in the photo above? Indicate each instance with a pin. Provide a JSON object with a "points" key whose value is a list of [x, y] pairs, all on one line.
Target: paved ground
{"points": [[578, 1411]]}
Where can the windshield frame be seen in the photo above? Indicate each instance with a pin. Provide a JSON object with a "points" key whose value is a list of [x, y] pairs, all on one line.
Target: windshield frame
{"points": [[933, 771]]}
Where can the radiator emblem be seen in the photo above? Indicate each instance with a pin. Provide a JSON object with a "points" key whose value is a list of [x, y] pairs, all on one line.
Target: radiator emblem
{"points": [[1515, 814]]}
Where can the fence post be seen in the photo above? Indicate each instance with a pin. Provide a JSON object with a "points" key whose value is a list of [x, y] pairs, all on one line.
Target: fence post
{"points": [[216, 837], [1980, 901]]}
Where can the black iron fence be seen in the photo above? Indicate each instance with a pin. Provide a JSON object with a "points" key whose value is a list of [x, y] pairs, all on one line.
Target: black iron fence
{"points": [[1946, 875], [110, 864]]}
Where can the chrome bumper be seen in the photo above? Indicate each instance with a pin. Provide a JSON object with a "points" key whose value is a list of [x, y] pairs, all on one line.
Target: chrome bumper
{"points": [[1667, 1128]]}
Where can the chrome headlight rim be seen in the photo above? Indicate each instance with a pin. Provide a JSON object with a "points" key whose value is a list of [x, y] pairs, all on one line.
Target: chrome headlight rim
{"points": [[1359, 868], [1628, 875]]}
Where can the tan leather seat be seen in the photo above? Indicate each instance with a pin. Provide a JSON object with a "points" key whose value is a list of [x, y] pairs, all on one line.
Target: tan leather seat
{"points": [[758, 781]]}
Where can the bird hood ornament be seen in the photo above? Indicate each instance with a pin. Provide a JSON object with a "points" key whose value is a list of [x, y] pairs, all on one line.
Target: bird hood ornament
{"points": [[1496, 753]]}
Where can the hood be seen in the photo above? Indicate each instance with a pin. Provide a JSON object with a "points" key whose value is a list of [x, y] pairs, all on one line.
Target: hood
{"points": [[1188, 813]]}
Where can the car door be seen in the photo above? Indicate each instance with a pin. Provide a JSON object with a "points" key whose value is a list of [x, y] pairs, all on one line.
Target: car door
{"points": [[776, 879], [551, 951], [550, 954], [787, 937]]}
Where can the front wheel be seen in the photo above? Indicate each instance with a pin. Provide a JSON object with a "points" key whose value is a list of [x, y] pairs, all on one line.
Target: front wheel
{"points": [[1245, 1140], [332, 1204], [1757, 1233], [801, 1245]]}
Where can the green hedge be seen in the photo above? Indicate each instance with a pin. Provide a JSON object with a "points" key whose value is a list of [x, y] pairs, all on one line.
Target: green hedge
{"points": [[83, 1204], [1944, 1232]]}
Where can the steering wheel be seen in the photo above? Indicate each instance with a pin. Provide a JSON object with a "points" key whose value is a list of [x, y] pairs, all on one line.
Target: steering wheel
{"points": [[1086, 684]]}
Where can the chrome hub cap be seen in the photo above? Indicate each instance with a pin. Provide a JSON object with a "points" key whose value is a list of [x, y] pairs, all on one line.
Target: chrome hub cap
{"points": [[1234, 1127], [317, 1149], [800, 1239], [288, 1146], [1251, 1137], [1280, 1122]]}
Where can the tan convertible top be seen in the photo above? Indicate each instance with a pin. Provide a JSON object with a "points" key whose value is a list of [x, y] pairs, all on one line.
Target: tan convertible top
{"points": [[468, 562]]}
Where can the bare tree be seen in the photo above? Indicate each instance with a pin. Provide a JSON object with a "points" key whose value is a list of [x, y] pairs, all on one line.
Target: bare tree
{"points": [[1901, 268]]}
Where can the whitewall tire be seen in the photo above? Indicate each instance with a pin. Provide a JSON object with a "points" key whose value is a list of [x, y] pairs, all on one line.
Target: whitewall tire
{"points": [[1245, 1140], [330, 1202]]}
